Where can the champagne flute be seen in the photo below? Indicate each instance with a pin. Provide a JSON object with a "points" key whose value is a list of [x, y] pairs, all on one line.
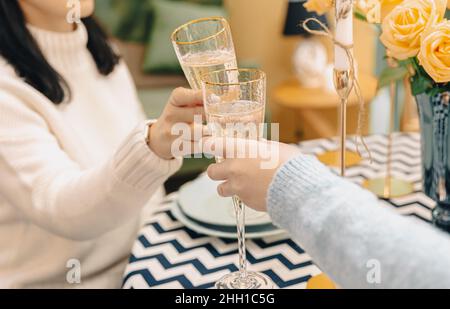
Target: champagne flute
{"points": [[204, 45], [234, 101]]}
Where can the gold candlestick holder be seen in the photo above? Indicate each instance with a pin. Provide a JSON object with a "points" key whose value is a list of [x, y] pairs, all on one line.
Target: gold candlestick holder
{"points": [[332, 157], [389, 186], [343, 82]]}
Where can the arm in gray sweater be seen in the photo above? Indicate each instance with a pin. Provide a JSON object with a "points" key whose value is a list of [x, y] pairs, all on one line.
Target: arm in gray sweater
{"points": [[350, 236]]}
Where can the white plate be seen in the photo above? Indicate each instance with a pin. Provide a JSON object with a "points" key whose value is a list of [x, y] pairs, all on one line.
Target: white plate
{"points": [[178, 214], [199, 200]]}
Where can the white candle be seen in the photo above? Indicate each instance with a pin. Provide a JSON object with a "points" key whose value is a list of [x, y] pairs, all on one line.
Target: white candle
{"points": [[343, 35]]}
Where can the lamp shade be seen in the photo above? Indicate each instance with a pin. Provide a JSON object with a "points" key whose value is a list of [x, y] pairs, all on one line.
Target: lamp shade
{"points": [[296, 14]]}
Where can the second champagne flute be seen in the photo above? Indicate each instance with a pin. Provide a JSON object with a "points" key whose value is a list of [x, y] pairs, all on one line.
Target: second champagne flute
{"points": [[235, 104]]}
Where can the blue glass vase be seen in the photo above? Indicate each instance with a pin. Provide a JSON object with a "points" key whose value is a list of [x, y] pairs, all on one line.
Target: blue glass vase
{"points": [[434, 112]]}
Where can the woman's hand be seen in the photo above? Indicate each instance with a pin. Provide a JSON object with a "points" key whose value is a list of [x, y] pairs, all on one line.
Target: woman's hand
{"points": [[249, 167], [182, 106]]}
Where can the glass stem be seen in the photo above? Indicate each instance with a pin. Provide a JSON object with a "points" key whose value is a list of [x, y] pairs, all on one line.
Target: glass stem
{"points": [[239, 208]]}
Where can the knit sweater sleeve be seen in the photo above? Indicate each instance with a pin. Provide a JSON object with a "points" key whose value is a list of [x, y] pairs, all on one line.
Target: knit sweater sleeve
{"points": [[354, 239], [51, 190]]}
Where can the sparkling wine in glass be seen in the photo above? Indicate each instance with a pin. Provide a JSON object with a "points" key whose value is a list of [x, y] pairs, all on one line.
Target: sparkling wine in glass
{"points": [[204, 45], [234, 102]]}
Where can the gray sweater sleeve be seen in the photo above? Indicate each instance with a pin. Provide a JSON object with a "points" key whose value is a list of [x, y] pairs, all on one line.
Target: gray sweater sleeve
{"points": [[354, 239]]}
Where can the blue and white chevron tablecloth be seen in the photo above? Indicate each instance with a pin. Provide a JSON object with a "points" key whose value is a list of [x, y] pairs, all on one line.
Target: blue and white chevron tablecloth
{"points": [[168, 255]]}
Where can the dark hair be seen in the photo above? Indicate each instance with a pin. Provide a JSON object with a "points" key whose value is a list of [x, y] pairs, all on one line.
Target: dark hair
{"points": [[19, 48]]}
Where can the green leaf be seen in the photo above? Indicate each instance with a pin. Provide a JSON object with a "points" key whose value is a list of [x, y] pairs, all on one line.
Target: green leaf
{"points": [[421, 84], [406, 62], [389, 75], [360, 16]]}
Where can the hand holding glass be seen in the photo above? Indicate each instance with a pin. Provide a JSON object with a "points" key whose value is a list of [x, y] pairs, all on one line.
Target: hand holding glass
{"points": [[234, 103]]}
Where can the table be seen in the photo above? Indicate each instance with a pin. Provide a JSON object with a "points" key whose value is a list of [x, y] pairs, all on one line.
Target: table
{"points": [[308, 113], [168, 255]]}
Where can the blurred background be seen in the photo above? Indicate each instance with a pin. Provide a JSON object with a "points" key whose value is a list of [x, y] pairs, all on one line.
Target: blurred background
{"points": [[266, 35]]}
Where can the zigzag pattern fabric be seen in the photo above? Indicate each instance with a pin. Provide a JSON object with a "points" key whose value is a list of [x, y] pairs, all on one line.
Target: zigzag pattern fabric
{"points": [[168, 255]]}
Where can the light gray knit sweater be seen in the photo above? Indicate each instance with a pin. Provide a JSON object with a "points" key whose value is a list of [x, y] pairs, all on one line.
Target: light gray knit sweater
{"points": [[350, 236]]}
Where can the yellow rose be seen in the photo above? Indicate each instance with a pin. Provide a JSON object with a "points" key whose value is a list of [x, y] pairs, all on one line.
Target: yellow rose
{"points": [[376, 10], [387, 6], [403, 27], [434, 55], [318, 6]]}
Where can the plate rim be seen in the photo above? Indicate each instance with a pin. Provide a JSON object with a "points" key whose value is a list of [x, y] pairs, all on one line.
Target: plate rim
{"points": [[185, 208], [177, 213]]}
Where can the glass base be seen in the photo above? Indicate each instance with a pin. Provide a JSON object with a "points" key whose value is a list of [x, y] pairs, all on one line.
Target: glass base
{"points": [[398, 187], [332, 158], [441, 217], [253, 280]]}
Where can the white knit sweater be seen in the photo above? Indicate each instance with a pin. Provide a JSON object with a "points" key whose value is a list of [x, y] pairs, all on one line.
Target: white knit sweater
{"points": [[74, 177]]}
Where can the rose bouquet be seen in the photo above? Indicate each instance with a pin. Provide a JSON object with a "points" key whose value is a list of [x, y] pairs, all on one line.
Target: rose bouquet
{"points": [[414, 32]]}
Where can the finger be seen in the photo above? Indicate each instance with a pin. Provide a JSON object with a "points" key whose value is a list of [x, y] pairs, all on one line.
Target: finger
{"points": [[219, 171], [225, 189], [198, 132], [183, 97], [189, 114]]}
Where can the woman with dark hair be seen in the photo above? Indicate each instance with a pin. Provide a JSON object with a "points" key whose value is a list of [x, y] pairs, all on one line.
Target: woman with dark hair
{"points": [[75, 171]]}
